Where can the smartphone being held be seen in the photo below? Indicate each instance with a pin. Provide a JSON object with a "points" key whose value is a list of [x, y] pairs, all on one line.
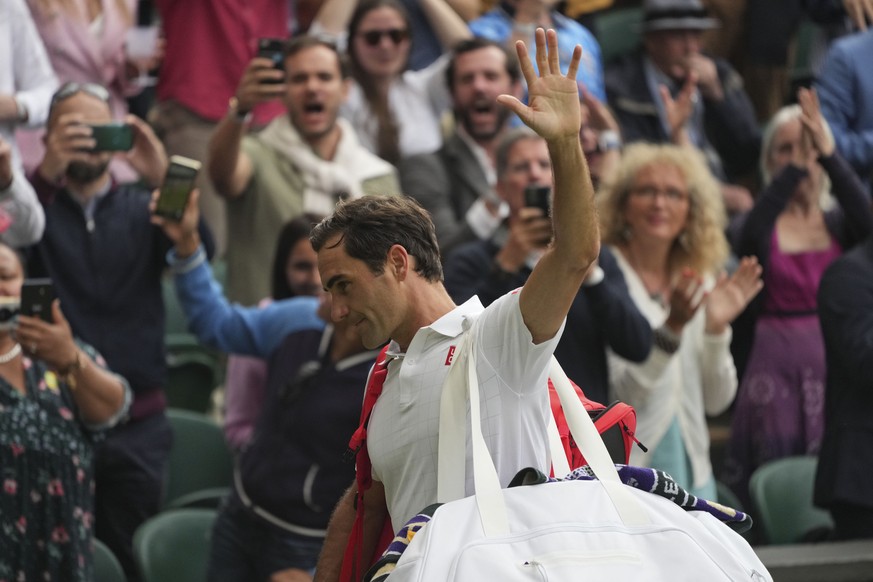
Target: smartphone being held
{"points": [[112, 137], [538, 197], [36, 298], [177, 187], [274, 50]]}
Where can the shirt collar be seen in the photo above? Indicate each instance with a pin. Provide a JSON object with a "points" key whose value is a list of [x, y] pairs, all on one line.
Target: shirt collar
{"points": [[449, 325]]}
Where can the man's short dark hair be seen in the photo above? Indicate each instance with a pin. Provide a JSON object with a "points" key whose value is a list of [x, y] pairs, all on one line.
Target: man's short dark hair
{"points": [[478, 43], [305, 41], [507, 142], [369, 226]]}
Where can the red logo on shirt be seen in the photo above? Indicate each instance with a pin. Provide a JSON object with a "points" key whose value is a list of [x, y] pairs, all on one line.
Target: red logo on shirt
{"points": [[450, 355]]}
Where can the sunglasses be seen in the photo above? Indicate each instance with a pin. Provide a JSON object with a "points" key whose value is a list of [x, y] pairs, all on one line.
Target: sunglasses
{"points": [[374, 37], [69, 89]]}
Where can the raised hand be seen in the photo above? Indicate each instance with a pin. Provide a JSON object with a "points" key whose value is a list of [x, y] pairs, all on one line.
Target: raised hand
{"points": [[679, 110], [814, 124], [260, 83], [860, 11], [686, 297], [148, 156], [731, 295], [68, 139], [705, 71], [183, 233], [553, 109]]}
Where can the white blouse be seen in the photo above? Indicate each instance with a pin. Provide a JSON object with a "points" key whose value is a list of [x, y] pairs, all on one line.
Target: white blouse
{"points": [[698, 379]]}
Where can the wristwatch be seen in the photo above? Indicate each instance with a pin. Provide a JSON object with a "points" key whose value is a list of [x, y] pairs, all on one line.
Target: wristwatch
{"points": [[233, 109], [666, 340]]}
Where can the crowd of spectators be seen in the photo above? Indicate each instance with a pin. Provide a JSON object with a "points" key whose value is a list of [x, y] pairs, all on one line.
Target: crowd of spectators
{"points": [[716, 177]]}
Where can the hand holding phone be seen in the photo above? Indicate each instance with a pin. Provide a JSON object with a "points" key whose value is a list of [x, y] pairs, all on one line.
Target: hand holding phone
{"points": [[538, 197], [274, 50], [36, 298], [177, 186]]}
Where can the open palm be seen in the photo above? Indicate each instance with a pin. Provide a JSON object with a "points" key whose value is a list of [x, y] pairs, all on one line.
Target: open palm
{"points": [[553, 109], [731, 295]]}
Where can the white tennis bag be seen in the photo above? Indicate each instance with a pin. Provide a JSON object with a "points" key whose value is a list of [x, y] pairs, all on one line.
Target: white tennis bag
{"points": [[570, 530]]}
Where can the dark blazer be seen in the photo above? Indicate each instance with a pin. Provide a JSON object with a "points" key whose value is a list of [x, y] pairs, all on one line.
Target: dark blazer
{"points": [[446, 182], [601, 316], [845, 306], [731, 126]]}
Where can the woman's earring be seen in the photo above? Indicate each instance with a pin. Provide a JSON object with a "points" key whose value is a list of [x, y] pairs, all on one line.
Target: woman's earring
{"points": [[683, 240]]}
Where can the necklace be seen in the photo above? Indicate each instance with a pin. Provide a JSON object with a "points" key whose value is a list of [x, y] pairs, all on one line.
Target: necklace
{"points": [[657, 287], [10, 355]]}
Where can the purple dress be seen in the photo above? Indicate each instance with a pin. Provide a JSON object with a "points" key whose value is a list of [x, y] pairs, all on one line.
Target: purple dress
{"points": [[780, 404]]}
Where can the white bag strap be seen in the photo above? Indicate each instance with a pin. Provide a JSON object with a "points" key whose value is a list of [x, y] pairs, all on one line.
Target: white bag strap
{"points": [[560, 464], [489, 495], [451, 473], [591, 444]]}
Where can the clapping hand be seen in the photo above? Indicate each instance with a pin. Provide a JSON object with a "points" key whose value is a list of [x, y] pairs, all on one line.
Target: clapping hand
{"points": [[731, 295], [686, 297], [814, 124], [679, 110], [553, 109]]}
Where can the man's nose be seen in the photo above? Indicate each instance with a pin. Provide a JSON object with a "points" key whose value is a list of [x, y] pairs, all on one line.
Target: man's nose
{"points": [[338, 309]]}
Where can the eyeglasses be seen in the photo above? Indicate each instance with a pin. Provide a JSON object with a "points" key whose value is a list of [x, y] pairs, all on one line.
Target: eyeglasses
{"points": [[69, 89], [374, 37], [651, 193]]}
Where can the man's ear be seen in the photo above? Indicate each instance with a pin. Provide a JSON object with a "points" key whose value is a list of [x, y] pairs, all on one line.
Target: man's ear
{"points": [[398, 262]]}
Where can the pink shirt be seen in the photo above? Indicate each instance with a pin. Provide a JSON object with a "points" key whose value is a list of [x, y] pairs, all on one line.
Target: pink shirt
{"points": [[209, 43]]}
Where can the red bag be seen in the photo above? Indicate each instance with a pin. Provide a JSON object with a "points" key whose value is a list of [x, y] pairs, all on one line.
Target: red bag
{"points": [[616, 424]]}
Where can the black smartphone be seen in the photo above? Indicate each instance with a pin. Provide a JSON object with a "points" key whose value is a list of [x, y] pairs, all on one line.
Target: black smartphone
{"points": [[177, 187], [538, 197], [36, 298], [273, 49], [112, 137]]}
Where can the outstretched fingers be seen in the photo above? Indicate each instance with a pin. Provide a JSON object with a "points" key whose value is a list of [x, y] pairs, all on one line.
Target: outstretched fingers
{"points": [[524, 62]]}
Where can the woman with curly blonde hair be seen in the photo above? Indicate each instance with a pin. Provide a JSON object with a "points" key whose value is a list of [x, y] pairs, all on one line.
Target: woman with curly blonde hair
{"points": [[662, 213]]}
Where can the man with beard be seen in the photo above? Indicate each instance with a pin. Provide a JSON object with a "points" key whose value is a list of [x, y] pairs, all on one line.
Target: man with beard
{"points": [[106, 259], [304, 161], [456, 183]]}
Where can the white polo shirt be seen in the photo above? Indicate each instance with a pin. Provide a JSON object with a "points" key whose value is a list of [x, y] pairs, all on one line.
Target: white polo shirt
{"points": [[402, 434]]}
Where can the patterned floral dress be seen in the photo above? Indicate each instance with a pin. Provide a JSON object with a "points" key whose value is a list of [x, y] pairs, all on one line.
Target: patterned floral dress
{"points": [[46, 479], [780, 404]]}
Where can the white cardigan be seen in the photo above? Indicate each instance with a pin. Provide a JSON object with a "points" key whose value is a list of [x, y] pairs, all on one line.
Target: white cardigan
{"points": [[699, 379]]}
